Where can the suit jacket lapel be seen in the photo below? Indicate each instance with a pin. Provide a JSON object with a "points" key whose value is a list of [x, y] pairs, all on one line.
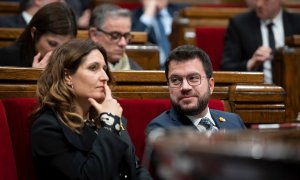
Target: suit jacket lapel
{"points": [[287, 25], [217, 119], [180, 119], [254, 33]]}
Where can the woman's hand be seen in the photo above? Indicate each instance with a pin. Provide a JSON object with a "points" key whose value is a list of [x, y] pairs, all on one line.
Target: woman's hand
{"points": [[109, 105], [41, 63], [110, 112]]}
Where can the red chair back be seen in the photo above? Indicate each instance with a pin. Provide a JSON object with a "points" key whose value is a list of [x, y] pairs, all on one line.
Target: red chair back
{"points": [[7, 160], [211, 40], [139, 112], [18, 111]]}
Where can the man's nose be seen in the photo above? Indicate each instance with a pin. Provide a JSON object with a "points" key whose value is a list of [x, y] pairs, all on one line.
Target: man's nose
{"points": [[123, 41], [185, 85]]}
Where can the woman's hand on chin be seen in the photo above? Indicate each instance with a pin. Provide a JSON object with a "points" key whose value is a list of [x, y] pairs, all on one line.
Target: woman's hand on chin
{"points": [[109, 105], [41, 63]]}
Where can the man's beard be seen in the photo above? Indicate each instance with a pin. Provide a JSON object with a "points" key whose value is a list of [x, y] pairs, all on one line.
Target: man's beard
{"points": [[200, 107]]}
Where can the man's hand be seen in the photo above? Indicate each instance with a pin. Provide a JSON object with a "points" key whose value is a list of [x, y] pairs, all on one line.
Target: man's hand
{"points": [[261, 55]]}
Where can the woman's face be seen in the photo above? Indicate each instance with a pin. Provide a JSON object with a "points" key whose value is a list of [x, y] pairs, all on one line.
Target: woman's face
{"points": [[90, 78], [49, 41]]}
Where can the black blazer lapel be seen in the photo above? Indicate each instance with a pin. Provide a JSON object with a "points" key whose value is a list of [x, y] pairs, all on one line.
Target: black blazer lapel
{"points": [[83, 141], [180, 119]]}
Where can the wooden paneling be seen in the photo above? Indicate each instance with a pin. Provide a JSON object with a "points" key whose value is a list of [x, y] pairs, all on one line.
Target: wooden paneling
{"points": [[10, 35], [286, 65], [9, 8], [147, 56], [242, 92]]}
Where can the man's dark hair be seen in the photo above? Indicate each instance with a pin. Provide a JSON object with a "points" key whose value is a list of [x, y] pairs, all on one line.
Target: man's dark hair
{"points": [[187, 53]]}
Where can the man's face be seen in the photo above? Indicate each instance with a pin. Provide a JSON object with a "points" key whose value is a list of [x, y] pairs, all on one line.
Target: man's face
{"points": [[267, 9], [115, 49], [190, 100]]}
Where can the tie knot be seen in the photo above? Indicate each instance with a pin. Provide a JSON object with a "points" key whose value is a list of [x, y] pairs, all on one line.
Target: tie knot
{"points": [[205, 122], [270, 24]]}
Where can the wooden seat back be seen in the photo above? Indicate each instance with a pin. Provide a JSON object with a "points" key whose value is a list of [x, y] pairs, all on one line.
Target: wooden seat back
{"points": [[146, 55], [242, 92]]}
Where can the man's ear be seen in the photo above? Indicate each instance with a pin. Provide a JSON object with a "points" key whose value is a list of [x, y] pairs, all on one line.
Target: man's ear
{"points": [[32, 32], [211, 84], [68, 79], [93, 34]]}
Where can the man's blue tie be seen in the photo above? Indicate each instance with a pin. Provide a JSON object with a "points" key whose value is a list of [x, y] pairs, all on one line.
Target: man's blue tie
{"points": [[205, 122], [163, 42]]}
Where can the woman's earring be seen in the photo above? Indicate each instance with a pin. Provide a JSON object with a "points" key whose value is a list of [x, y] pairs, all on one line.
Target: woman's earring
{"points": [[71, 85]]}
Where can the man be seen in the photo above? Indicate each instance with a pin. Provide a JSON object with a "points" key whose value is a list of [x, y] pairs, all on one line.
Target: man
{"points": [[110, 27], [247, 43], [27, 8], [155, 18], [190, 82]]}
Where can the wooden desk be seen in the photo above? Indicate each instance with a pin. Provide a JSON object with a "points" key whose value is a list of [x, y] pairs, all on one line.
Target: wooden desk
{"points": [[147, 56], [286, 66], [10, 35], [242, 92]]}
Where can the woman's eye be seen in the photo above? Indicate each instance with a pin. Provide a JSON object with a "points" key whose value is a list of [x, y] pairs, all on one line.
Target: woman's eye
{"points": [[52, 43], [93, 68]]}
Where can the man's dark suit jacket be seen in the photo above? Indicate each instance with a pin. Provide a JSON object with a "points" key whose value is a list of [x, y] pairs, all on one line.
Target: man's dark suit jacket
{"points": [[12, 21], [137, 25], [60, 153], [243, 37], [173, 119]]}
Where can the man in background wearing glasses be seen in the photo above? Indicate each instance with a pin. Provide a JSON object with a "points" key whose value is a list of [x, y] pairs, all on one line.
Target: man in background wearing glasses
{"points": [[190, 82], [110, 28]]}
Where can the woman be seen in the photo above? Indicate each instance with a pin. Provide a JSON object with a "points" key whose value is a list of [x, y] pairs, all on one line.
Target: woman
{"points": [[77, 132], [53, 25]]}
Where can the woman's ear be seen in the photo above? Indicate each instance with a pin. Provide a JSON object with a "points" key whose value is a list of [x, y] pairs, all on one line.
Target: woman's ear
{"points": [[68, 79], [32, 31]]}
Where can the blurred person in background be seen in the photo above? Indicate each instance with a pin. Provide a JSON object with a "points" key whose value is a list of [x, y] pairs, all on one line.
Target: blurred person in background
{"points": [[155, 17], [110, 27], [252, 37], [53, 25], [27, 10]]}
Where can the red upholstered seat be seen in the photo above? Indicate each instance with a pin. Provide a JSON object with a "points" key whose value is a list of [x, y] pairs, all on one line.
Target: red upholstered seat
{"points": [[211, 40], [18, 111], [139, 112], [7, 160], [129, 6]]}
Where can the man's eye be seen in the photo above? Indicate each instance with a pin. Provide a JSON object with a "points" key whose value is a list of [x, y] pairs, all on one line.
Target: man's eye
{"points": [[115, 35], [175, 80], [194, 78]]}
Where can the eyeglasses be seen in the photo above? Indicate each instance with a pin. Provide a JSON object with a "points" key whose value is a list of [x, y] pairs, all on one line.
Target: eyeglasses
{"points": [[116, 36], [192, 79]]}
